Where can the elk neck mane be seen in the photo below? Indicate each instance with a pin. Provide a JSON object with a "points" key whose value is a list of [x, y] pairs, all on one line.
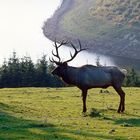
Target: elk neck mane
{"points": [[70, 74]]}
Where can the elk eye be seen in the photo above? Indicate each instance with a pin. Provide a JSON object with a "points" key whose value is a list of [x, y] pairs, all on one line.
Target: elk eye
{"points": [[65, 64]]}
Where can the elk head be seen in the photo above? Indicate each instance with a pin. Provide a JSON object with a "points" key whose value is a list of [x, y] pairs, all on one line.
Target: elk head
{"points": [[62, 66]]}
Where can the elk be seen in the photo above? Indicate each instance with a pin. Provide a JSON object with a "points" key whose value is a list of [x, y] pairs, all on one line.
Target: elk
{"points": [[88, 76]]}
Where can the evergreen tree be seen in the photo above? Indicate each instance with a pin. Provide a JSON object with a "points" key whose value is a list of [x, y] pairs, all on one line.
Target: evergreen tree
{"points": [[4, 74], [14, 71], [132, 78], [24, 73], [98, 61], [51, 67], [28, 72], [41, 72]]}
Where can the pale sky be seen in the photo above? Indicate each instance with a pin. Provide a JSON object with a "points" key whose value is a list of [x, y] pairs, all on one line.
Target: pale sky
{"points": [[20, 26], [20, 30]]}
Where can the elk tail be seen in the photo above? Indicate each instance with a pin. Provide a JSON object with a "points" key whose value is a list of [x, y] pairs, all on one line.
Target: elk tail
{"points": [[124, 71]]}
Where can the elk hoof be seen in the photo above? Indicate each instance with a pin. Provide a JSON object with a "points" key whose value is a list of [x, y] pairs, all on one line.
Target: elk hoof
{"points": [[84, 110], [84, 114], [119, 111], [122, 111]]}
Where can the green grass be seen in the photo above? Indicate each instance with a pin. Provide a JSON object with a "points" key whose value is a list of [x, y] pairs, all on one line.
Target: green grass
{"points": [[49, 114]]}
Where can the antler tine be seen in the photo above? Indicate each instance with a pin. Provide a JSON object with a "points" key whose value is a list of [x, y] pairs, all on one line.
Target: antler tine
{"points": [[53, 61], [57, 53], [64, 42], [70, 54], [50, 60], [76, 51], [80, 47], [80, 44]]}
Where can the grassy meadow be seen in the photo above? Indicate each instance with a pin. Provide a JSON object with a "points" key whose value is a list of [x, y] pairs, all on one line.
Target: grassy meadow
{"points": [[56, 114]]}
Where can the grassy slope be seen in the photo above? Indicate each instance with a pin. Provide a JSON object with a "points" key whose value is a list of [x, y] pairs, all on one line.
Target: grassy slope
{"points": [[48, 114]]}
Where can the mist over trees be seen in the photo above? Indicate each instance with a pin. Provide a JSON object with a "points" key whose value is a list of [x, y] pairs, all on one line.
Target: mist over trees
{"points": [[132, 78], [23, 72]]}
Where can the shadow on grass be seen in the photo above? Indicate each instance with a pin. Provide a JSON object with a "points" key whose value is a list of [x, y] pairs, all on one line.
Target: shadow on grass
{"points": [[131, 115], [129, 122], [132, 120], [98, 112], [13, 128]]}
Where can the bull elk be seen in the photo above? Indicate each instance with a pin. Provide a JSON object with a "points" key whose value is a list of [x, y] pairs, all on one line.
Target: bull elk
{"points": [[88, 76]]}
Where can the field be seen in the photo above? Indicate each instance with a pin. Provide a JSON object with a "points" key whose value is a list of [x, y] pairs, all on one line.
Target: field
{"points": [[50, 114]]}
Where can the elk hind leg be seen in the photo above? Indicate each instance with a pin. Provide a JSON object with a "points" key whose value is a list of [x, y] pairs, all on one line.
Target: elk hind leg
{"points": [[122, 98]]}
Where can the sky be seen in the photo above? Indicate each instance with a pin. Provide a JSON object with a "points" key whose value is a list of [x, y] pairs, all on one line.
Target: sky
{"points": [[21, 26], [21, 30]]}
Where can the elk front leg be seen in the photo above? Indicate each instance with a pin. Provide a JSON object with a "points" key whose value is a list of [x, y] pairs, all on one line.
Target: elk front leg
{"points": [[84, 96], [122, 100]]}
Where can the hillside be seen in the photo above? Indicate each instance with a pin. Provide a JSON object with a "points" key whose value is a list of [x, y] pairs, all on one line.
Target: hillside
{"points": [[109, 27]]}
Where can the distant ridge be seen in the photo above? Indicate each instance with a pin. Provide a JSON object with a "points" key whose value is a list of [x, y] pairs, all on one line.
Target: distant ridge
{"points": [[109, 27]]}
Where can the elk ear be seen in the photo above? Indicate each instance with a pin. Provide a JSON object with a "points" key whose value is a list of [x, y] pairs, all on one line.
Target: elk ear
{"points": [[65, 64]]}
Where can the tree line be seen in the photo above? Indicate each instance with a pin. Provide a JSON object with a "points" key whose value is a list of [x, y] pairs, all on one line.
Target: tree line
{"points": [[23, 72], [132, 78]]}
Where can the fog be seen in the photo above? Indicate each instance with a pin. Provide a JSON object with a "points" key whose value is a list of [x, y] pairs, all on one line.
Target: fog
{"points": [[21, 31]]}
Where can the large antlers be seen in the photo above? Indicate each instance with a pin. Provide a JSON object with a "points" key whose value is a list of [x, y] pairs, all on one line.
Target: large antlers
{"points": [[76, 51], [57, 54], [72, 55]]}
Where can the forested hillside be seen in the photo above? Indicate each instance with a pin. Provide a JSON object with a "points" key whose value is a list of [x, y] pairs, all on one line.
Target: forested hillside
{"points": [[109, 27]]}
